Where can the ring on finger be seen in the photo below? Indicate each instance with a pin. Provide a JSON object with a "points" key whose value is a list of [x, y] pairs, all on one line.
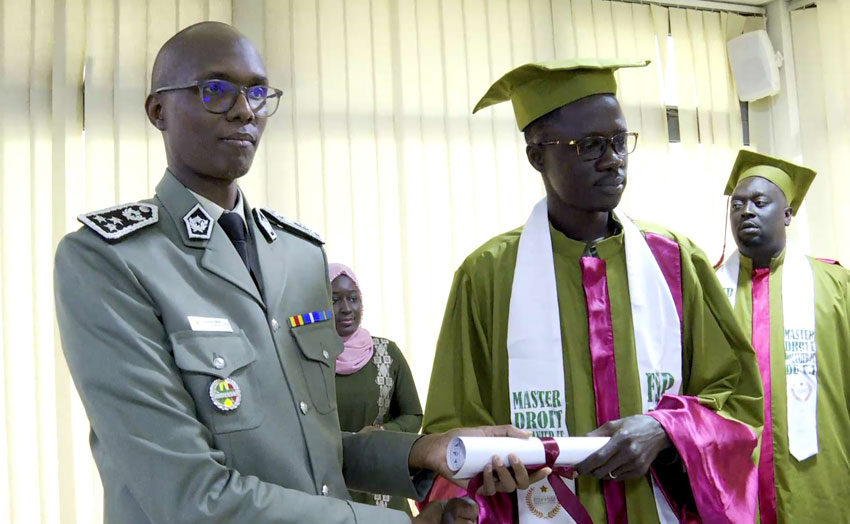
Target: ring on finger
{"points": [[612, 476]]}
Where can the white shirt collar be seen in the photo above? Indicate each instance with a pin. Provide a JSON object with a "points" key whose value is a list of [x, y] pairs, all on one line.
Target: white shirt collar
{"points": [[215, 211]]}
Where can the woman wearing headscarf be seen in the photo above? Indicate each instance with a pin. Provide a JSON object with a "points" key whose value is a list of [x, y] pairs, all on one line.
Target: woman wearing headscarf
{"points": [[374, 386]]}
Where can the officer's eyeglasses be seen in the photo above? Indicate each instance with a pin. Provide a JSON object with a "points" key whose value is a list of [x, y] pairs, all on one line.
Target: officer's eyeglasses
{"points": [[219, 96], [593, 147]]}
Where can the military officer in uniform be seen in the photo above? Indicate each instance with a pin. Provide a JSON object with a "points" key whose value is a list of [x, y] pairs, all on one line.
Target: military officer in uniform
{"points": [[199, 331]]}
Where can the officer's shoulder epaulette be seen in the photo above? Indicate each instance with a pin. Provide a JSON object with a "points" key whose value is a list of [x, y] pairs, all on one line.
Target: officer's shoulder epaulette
{"points": [[292, 226], [115, 223]]}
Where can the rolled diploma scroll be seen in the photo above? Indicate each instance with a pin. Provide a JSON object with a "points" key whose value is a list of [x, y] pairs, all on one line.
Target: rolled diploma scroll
{"points": [[467, 456]]}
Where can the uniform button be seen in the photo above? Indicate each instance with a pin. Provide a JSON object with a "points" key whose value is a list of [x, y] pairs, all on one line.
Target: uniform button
{"points": [[304, 407], [325, 490], [325, 353], [275, 325], [218, 362]]}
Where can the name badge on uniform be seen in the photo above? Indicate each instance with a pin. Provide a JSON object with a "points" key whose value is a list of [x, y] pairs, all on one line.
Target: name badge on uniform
{"points": [[225, 394], [210, 324]]}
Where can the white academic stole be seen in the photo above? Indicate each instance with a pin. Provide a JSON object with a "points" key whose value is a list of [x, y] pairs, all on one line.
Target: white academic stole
{"points": [[801, 365], [535, 358]]}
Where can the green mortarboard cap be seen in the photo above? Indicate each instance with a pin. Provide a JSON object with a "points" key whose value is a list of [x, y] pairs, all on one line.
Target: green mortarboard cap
{"points": [[792, 179], [538, 88]]}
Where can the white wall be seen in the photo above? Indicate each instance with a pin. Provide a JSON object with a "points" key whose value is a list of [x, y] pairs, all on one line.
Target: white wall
{"points": [[808, 122]]}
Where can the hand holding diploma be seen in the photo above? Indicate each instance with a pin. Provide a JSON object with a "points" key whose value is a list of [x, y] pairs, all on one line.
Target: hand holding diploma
{"points": [[621, 449], [468, 456], [634, 444], [430, 452]]}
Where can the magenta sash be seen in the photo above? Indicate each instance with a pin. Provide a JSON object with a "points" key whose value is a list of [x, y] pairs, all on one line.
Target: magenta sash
{"points": [[761, 343], [601, 338]]}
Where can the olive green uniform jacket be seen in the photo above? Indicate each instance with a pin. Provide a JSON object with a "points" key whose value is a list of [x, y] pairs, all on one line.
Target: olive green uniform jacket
{"points": [[165, 453]]}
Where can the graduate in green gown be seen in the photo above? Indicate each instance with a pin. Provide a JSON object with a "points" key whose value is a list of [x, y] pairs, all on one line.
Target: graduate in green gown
{"points": [[796, 311], [706, 424]]}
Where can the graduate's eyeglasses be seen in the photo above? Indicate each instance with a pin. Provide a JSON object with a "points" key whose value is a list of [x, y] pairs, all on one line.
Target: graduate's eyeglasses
{"points": [[593, 147], [219, 96]]}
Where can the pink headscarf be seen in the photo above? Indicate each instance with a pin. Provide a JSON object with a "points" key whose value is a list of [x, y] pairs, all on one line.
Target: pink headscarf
{"points": [[357, 347]]}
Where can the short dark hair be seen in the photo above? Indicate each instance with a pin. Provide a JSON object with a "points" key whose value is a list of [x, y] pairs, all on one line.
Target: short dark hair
{"points": [[535, 131], [173, 51]]}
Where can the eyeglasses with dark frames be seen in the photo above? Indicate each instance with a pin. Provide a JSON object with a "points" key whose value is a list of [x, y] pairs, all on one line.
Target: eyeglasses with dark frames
{"points": [[593, 147], [219, 96]]}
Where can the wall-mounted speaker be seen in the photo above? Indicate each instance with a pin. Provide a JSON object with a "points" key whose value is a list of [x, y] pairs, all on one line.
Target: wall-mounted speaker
{"points": [[755, 66]]}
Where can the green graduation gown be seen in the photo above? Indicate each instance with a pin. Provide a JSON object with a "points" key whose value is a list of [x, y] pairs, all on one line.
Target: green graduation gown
{"points": [[817, 489], [469, 381], [357, 401]]}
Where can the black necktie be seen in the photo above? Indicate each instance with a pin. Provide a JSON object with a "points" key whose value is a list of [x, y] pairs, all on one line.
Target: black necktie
{"points": [[234, 227]]}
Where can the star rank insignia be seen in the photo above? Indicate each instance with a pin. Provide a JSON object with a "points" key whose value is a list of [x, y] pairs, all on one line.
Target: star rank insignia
{"points": [[117, 222], [265, 227], [292, 226], [199, 224]]}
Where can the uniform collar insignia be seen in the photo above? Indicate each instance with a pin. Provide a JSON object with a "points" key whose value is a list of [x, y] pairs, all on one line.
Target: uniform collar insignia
{"points": [[265, 227], [199, 224], [116, 222], [292, 226]]}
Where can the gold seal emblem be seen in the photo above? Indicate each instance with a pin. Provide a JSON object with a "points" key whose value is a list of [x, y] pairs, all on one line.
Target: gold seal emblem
{"points": [[542, 502], [225, 394], [802, 390]]}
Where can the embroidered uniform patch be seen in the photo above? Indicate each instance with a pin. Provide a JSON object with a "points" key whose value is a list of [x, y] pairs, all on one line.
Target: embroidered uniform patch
{"points": [[116, 222], [199, 223], [292, 226], [311, 318], [225, 394], [265, 227]]}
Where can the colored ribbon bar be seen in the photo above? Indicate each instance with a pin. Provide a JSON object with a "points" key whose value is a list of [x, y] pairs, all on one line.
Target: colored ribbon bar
{"points": [[310, 318], [566, 498]]}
